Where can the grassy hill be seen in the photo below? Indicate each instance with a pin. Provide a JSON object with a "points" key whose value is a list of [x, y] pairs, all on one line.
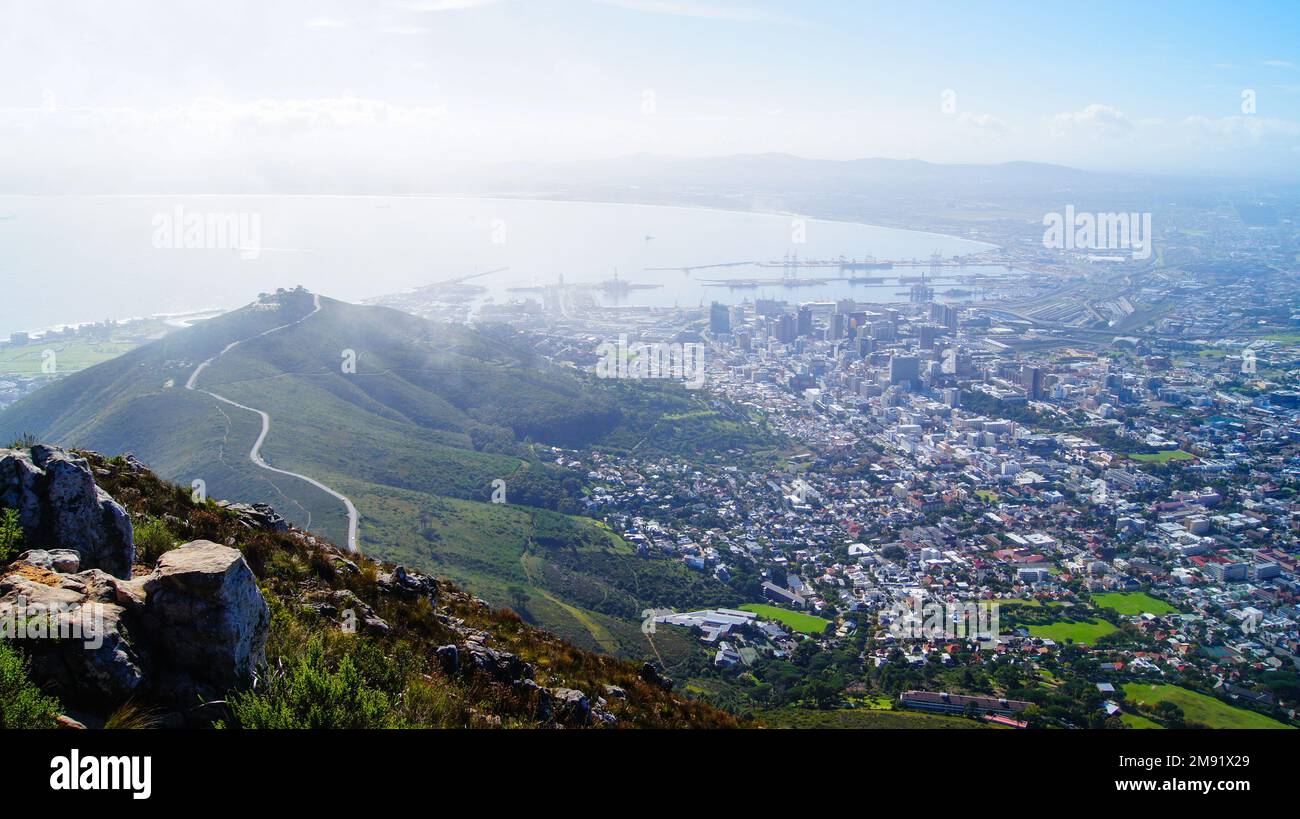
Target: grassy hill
{"points": [[415, 435], [322, 674]]}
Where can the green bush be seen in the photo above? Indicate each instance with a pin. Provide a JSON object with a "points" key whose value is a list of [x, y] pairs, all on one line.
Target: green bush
{"points": [[152, 540], [21, 703], [308, 694], [11, 535]]}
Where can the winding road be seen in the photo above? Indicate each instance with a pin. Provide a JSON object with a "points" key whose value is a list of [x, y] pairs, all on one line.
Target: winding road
{"points": [[254, 454]]}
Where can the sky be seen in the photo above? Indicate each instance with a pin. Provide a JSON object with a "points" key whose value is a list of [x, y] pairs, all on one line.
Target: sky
{"points": [[127, 90]]}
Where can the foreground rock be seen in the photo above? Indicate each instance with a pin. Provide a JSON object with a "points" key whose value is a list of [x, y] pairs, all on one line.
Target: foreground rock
{"points": [[204, 610], [60, 507], [196, 626]]}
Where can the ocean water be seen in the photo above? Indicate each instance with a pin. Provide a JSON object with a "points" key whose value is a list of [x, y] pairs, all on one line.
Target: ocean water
{"points": [[88, 258]]}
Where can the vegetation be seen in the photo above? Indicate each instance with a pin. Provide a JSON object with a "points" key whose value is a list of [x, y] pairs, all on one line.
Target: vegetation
{"points": [[11, 535], [312, 693], [152, 540], [416, 437], [320, 675], [863, 718], [1196, 708], [22, 705]]}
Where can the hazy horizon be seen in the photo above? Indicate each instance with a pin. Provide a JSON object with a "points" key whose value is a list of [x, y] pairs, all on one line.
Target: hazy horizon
{"points": [[123, 99]]}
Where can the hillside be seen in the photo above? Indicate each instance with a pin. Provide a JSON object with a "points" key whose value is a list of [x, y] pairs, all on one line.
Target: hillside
{"points": [[343, 640], [413, 436]]}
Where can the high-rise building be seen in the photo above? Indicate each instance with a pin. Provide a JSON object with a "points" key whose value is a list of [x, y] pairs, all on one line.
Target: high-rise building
{"points": [[1031, 378], [945, 315], [926, 335], [785, 328], [905, 369], [805, 327], [883, 331], [719, 318], [838, 327]]}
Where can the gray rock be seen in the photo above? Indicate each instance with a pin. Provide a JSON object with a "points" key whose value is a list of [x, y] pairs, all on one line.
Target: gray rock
{"points": [[59, 506], [65, 561], [77, 645], [614, 692], [571, 706], [501, 666], [449, 657], [205, 614]]}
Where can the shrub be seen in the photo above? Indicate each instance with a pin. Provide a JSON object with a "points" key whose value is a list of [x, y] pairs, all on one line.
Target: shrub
{"points": [[21, 703], [152, 540], [308, 694], [11, 535]]}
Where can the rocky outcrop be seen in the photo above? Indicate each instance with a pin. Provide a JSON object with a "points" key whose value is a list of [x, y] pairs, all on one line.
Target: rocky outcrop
{"points": [[77, 640], [500, 666], [56, 560], [205, 612], [196, 626], [59, 506], [257, 516], [570, 706], [346, 610]]}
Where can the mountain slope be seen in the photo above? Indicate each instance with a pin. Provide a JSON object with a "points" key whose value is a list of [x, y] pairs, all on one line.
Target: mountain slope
{"points": [[414, 436], [350, 642]]}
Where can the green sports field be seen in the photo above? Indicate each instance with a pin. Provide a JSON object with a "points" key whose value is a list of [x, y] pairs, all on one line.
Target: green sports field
{"points": [[1130, 603], [796, 620], [1084, 631], [1162, 457]]}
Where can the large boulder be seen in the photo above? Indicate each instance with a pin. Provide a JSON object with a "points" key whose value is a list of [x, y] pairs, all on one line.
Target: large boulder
{"points": [[59, 506], [78, 643], [205, 614]]}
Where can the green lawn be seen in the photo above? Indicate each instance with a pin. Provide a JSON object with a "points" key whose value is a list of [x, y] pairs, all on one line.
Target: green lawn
{"points": [[1084, 631], [858, 718], [1131, 603], [1200, 708], [1164, 456], [796, 620], [1138, 721], [69, 355]]}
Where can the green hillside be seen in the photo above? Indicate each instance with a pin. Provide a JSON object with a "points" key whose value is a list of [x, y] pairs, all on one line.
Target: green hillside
{"points": [[414, 435]]}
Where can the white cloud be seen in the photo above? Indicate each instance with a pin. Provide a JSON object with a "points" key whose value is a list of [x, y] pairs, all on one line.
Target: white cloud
{"points": [[983, 123], [1096, 120], [1242, 131], [449, 5], [326, 22], [689, 8], [1279, 64]]}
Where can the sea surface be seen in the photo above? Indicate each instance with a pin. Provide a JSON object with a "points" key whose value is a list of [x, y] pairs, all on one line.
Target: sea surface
{"points": [[73, 259]]}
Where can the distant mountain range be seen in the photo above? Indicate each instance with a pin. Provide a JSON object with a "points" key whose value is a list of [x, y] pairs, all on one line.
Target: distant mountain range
{"points": [[717, 175]]}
